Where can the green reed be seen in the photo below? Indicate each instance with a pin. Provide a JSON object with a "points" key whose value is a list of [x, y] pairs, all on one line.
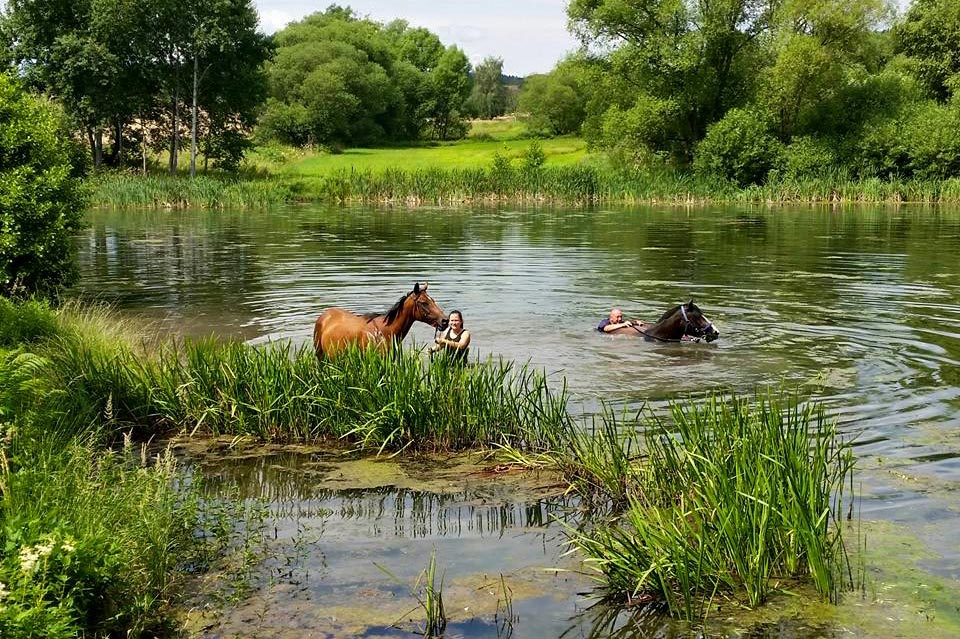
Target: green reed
{"points": [[281, 393], [731, 497], [124, 190]]}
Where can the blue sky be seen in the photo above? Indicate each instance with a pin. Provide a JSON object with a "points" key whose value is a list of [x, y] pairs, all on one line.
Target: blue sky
{"points": [[529, 35]]}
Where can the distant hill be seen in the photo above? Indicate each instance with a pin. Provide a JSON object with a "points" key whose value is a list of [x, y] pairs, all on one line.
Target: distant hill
{"points": [[512, 80]]}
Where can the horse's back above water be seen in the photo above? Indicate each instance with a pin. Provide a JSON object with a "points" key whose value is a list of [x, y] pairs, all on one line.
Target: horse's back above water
{"points": [[337, 329]]}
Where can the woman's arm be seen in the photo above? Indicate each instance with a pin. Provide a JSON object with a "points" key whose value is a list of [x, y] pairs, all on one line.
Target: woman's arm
{"points": [[462, 344]]}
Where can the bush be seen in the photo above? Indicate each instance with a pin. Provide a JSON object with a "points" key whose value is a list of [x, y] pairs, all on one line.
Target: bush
{"points": [[808, 157], [739, 148], [41, 203]]}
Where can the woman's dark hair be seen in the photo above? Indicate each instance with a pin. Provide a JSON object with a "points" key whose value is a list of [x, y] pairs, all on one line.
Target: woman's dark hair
{"points": [[462, 323]]}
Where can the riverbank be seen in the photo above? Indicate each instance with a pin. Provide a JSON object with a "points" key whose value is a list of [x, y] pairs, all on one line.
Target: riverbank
{"points": [[572, 185]]}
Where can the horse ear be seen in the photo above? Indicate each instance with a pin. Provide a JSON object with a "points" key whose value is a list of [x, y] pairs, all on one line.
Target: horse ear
{"points": [[416, 288], [690, 304]]}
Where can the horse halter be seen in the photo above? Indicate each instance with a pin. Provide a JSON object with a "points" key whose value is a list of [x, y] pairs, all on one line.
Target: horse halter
{"points": [[689, 328]]}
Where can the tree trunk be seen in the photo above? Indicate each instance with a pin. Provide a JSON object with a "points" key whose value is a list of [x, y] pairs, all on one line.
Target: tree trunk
{"points": [[193, 122], [144, 139], [93, 145], [175, 137], [98, 148]]}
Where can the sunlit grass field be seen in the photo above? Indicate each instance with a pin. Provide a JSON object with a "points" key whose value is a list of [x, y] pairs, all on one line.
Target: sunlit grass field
{"points": [[463, 154]]}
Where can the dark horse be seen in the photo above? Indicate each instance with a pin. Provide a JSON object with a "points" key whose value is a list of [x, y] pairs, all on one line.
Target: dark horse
{"points": [[685, 322], [336, 328]]}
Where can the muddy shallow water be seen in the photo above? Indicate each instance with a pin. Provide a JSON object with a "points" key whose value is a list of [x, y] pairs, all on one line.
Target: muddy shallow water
{"points": [[858, 308]]}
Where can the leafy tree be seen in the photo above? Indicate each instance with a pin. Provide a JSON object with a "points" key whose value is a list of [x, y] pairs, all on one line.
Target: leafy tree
{"points": [[555, 103], [674, 67], [337, 79], [450, 81], [700, 54], [41, 204], [110, 62], [931, 34], [488, 98]]}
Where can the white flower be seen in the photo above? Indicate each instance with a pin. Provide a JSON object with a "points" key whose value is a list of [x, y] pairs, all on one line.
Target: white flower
{"points": [[44, 549], [67, 545], [3, 592], [28, 559]]}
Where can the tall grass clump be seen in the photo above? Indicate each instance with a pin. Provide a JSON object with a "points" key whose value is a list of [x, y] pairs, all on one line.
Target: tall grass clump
{"points": [[93, 541], [364, 397], [111, 375], [124, 190], [733, 497]]}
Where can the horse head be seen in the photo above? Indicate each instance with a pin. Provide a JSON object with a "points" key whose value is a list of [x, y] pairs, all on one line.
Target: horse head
{"points": [[696, 323], [426, 309]]}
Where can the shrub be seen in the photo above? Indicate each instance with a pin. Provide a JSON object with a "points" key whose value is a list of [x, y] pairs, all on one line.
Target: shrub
{"points": [[739, 148], [808, 157], [41, 203]]}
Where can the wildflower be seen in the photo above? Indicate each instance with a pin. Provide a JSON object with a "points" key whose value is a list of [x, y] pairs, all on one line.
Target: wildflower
{"points": [[28, 559], [3, 592], [67, 545], [45, 549]]}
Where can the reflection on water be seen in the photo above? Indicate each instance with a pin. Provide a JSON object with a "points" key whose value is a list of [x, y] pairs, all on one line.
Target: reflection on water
{"points": [[858, 308]]}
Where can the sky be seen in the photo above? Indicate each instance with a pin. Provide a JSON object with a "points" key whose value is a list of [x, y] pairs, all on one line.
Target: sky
{"points": [[530, 36]]}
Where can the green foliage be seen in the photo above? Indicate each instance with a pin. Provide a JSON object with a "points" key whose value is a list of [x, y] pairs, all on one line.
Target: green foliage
{"points": [[111, 62], [338, 79], [930, 33], [806, 157], [555, 103], [41, 202], [488, 98], [739, 148], [25, 322], [534, 157], [705, 520]]}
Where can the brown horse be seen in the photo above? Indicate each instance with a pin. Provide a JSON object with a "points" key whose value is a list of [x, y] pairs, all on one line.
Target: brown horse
{"points": [[682, 323], [336, 328]]}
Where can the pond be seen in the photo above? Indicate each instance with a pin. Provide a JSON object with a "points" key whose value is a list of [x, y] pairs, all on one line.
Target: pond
{"points": [[857, 307]]}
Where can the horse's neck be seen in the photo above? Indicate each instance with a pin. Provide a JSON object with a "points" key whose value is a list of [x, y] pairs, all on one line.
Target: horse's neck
{"points": [[400, 326], [670, 328]]}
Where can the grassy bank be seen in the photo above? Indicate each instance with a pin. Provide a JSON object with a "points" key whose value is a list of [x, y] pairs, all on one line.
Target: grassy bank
{"points": [[378, 182], [94, 541]]}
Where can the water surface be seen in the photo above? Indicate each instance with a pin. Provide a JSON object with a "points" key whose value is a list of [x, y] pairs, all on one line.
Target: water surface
{"points": [[859, 308]]}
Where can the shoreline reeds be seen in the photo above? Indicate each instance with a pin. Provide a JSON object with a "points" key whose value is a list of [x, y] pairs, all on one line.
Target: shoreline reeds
{"points": [[731, 498], [574, 185]]}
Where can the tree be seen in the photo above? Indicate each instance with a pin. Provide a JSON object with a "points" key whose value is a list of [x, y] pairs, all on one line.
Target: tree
{"points": [[339, 80], [555, 103], [697, 53], [930, 33], [90, 56], [112, 61], [488, 98], [450, 82], [41, 203]]}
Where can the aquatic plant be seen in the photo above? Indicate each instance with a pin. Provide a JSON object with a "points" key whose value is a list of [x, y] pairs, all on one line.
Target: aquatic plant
{"points": [[730, 497], [281, 393]]}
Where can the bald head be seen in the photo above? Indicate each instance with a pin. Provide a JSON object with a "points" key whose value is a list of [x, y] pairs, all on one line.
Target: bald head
{"points": [[616, 316]]}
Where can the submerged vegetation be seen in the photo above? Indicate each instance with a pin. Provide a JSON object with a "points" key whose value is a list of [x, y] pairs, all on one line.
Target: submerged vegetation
{"points": [[723, 500]]}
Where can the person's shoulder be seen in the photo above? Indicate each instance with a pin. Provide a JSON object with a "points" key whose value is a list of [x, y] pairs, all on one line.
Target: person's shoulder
{"points": [[603, 323]]}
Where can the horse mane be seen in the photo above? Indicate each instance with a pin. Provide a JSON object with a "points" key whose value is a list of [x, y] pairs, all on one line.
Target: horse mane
{"points": [[669, 313], [391, 314]]}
